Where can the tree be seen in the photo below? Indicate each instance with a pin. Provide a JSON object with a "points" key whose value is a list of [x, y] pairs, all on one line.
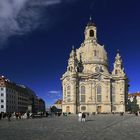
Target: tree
{"points": [[53, 109], [134, 105], [129, 106]]}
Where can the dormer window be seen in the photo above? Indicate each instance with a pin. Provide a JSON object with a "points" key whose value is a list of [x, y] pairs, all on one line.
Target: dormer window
{"points": [[91, 33]]}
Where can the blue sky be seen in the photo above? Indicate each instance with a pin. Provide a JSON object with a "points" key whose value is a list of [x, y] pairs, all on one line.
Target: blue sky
{"points": [[36, 37]]}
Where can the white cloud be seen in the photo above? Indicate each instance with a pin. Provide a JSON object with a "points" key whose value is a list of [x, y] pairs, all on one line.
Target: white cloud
{"points": [[45, 2], [54, 92], [22, 16]]}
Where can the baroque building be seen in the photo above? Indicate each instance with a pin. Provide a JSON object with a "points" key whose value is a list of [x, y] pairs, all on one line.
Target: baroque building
{"points": [[88, 85], [18, 98]]}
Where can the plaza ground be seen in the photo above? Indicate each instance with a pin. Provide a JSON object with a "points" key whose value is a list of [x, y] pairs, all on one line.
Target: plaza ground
{"points": [[98, 127]]}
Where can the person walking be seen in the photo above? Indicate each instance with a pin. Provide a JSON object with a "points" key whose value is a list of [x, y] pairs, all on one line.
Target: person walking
{"points": [[79, 116], [0, 115], [83, 117], [9, 116]]}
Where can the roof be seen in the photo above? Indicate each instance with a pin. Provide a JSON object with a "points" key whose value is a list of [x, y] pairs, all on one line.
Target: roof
{"points": [[134, 94], [58, 101], [90, 23]]}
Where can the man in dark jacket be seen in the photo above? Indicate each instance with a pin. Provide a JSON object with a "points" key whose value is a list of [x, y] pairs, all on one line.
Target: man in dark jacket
{"points": [[83, 117]]}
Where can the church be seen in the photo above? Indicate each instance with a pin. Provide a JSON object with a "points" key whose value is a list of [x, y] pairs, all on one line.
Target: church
{"points": [[88, 85]]}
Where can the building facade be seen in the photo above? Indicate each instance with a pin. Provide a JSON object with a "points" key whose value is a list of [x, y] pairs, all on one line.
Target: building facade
{"points": [[17, 98], [133, 95], [87, 85], [41, 105]]}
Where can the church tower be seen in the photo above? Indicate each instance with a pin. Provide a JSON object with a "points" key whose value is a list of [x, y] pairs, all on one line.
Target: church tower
{"points": [[119, 86], [88, 86], [72, 62], [118, 70], [90, 31]]}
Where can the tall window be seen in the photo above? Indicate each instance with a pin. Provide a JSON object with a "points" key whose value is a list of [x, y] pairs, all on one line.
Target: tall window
{"points": [[99, 90], [64, 92], [83, 98], [68, 94], [113, 93]]}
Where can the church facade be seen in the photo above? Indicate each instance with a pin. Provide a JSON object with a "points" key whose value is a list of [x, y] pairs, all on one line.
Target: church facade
{"points": [[88, 85]]}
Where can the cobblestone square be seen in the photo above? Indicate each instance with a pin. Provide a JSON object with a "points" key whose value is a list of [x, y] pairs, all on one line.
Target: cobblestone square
{"points": [[98, 127]]}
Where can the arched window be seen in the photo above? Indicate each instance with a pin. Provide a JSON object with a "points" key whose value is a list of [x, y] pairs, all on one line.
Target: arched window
{"points": [[91, 33], [82, 89], [67, 109], [68, 94], [99, 90], [83, 98]]}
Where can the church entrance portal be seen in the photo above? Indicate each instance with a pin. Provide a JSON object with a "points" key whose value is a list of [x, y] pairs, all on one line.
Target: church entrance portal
{"points": [[99, 109], [67, 109]]}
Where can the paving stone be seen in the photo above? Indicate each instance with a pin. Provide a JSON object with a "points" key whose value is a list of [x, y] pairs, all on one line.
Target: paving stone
{"points": [[98, 127]]}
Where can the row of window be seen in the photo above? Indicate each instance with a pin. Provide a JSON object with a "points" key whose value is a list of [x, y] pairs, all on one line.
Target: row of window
{"points": [[83, 94], [11, 101], [11, 107], [10, 95], [22, 99], [21, 103], [10, 90]]}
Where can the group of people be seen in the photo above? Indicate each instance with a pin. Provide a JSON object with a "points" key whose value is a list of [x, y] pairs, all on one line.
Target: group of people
{"points": [[4, 115], [16, 115], [81, 117]]}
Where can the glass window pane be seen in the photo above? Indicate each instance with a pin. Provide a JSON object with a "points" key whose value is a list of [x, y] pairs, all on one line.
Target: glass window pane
{"points": [[113, 98], [82, 98], [82, 89], [98, 98], [98, 89], [113, 89]]}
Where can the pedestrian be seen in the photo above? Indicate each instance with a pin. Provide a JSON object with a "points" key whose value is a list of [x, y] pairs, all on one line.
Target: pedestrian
{"points": [[16, 115], [9, 116], [0, 115], [19, 115], [83, 117], [79, 116], [28, 115]]}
